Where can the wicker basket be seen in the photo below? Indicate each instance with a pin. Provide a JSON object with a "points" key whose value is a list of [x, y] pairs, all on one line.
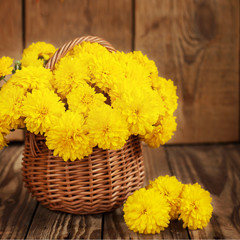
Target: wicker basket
{"points": [[99, 183]]}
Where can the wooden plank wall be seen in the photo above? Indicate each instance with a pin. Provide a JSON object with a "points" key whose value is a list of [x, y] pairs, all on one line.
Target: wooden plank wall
{"points": [[11, 38], [194, 42]]}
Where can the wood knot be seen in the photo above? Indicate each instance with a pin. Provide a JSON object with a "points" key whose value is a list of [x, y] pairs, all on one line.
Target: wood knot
{"points": [[205, 20]]}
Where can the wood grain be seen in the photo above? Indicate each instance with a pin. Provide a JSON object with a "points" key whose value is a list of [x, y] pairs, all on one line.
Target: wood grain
{"points": [[196, 43], [114, 225], [11, 28], [57, 225], [11, 38], [61, 21], [17, 135], [155, 163], [216, 168], [16, 206]]}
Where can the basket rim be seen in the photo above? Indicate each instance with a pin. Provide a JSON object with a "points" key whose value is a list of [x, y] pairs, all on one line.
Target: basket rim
{"points": [[34, 149], [68, 46]]}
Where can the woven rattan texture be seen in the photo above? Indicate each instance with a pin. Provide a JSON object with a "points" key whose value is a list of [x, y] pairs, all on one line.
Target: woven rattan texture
{"points": [[99, 183], [61, 52]]}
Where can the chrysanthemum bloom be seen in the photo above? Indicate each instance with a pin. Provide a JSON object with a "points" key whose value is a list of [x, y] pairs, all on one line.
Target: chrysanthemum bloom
{"points": [[11, 102], [167, 91], [69, 137], [195, 207], [107, 127], [84, 98], [69, 73], [3, 141], [4, 126], [148, 64], [162, 132], [146, 211], [4, 130], [32, 77], [133, 69], [5, 66], [41, 109], [37, 54], [122, 57], [88, 48], [171, 189], [134, 77], [141, 108], [105, 71]]}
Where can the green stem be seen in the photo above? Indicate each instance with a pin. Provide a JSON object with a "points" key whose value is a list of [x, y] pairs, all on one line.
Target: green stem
{"points": [[3, 78], [17, 66]]}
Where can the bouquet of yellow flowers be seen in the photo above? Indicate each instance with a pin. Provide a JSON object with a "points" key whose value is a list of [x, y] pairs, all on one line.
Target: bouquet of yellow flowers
{"points": [[93, 97]]}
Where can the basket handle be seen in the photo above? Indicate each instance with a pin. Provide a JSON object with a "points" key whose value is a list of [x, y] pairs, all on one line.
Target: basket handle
{"points": [[61, 52]]}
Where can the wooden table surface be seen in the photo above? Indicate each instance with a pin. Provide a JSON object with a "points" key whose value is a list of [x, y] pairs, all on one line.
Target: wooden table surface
{"points": [[216, 167]]}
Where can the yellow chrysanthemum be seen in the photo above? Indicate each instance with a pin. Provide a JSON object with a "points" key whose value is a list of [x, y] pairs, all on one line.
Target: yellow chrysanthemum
{"points": [[84, 98], [148, 64], [146, 211], [133, 67], [122, 57], [3, 141], [37, 54], [11, 102], [141, 102], [5, 66], [107, 127], [134, 77], [4, 126], [105, 71], [195, 207], [32, 77], [69, 137], [89, 48], [171, 189], [162, 132], [69, 73], [141, 108], [41, 109], [167, 91]]}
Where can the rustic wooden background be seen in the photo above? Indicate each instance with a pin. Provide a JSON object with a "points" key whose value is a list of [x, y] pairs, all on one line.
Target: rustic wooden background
{"points": [[194, 42]]}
